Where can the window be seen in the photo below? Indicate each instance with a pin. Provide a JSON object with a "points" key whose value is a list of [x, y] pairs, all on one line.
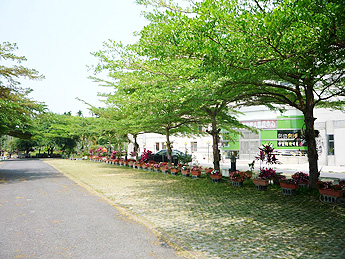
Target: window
{"points": [[156, 146], [330, 140], [164, 145], [194, 146]]}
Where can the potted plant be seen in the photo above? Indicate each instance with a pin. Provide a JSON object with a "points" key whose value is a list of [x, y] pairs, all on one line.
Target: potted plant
{"points": [[125, 162], [196, 171], [174, 170], [185, 171], [331, 192], [289, 186], [131, 163], [208, 170], [164, 168], [216, 176], [301, 178], [137, 165], [237, 178], [146, 156], [262, 181], [266, 155], [156, 167]]}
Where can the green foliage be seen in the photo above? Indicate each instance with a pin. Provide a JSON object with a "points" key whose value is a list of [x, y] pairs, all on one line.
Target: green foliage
{"points": [[26, 145], [259, 52], [16, 108]]}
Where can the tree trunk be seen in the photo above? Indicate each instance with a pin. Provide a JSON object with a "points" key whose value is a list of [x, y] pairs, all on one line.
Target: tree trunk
{"points": [[167, 134], [136, 148], [310, 137], [312, 151], [215, 139]]}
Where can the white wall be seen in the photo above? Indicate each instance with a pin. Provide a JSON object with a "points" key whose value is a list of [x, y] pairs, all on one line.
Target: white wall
{"points": [[339, 146], [202, 155]]}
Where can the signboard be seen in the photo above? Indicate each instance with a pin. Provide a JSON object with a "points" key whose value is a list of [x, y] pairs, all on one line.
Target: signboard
{"points": [[289, 138], [261, 124]]}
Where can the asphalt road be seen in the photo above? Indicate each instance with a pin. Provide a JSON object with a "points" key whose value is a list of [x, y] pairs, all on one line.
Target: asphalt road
{"points": [[43, 214]]}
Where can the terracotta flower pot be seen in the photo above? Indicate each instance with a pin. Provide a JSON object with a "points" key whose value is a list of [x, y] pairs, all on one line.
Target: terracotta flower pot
{"points": [[261, 185], [164, 170], [185, 172], [331, 192], [260, 182], [174, 171], [237, 182], [289, 186], [195, 173], [289, 189], [216, 177]]}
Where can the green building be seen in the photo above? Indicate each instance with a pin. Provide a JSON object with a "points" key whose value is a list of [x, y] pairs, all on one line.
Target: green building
{"points": [[283, 130]]}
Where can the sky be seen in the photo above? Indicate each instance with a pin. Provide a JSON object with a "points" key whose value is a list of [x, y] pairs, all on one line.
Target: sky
{"points": [[57, 36]]}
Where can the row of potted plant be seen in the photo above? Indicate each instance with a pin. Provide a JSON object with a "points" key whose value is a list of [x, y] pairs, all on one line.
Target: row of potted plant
{"points": [[266, 176]]}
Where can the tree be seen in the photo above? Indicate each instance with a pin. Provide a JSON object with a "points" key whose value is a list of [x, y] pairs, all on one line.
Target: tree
{"points": [[147, 92], [200, 85], [26, 145], [275, 52], [16, 109]]}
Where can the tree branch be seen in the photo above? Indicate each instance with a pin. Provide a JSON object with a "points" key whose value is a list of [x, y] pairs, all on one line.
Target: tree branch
{"points": [[257, 3]]}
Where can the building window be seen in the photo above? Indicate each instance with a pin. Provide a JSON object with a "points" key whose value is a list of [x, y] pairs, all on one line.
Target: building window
{"points": [[156, 146], [164, 145], [330, 139], [194, 146]]}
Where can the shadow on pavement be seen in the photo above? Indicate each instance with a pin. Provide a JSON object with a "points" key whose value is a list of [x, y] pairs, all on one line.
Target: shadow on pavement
{"points": [[22, 171]]}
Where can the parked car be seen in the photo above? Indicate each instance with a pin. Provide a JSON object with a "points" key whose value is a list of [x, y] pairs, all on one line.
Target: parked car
{"points": [[162, 156]]}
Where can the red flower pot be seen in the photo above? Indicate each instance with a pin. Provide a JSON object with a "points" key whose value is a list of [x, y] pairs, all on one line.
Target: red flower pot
{"points": [[261, 182], [196, 173], [185, 172], [289, 186], [331, 192], [216, 177], [237, 180]]}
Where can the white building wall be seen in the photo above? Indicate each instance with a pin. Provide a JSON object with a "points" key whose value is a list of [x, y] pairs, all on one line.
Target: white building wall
{"points": [[339, 146], [149, 141], [330, 122]]}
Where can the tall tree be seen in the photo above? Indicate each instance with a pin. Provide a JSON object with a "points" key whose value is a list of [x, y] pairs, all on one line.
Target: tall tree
{"points": [[147, 91]]}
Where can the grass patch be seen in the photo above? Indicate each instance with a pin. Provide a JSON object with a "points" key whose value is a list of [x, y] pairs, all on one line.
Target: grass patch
{"points": [[217, 219]]}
